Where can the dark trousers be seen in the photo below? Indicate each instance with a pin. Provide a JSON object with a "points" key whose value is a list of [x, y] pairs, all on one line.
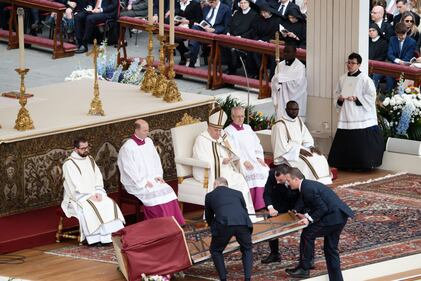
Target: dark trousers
{"points": [[331, 235], [85, 23], [221, 235]]}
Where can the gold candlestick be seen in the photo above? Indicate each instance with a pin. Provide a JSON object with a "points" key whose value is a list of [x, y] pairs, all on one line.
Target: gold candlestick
{"points": [[149, 79], [277, 47], [171, 94], [96, 104], [23, 121], [161, 81]]}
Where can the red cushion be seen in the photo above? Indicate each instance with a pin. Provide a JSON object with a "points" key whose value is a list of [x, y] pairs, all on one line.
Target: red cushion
{"points": [[334, 172]]}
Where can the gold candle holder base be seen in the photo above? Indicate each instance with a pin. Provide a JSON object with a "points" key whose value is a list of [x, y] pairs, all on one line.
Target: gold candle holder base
{"points": [[161, 81], [149, 79], [172, 94], [23, 121], [96, 104]]}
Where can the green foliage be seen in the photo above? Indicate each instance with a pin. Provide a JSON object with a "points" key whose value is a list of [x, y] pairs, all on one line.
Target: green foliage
{"points": [[257, 120]]}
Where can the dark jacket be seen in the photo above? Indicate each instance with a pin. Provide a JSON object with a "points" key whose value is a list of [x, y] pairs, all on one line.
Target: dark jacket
{"points": [[281, 197], [241, 24], [222, 20], [377, 50], [407, 52], [227, 207], [193, 13], [323, 205]]}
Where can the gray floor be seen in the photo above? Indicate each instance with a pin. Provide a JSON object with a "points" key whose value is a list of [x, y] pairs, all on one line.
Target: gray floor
{"points": [[44, 70]]}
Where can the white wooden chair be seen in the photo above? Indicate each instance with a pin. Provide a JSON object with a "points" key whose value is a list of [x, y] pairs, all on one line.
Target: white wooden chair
{"points": [[189, 189]]}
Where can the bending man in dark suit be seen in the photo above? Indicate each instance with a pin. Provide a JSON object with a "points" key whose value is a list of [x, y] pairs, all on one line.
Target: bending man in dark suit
{"points": [[226, 214], [326, 217], [278, 199]]}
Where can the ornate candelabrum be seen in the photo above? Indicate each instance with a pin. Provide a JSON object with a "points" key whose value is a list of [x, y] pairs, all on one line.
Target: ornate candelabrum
{"points": [[23, 121], [161, 81], [171, 94], [96, 104], [149, 79]]}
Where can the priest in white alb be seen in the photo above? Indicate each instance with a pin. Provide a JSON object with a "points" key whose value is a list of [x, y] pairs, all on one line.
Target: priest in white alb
{"points": [[247, 146], [293, 144], [85, 198], [212, 146], [142, 175], [289, 83]]}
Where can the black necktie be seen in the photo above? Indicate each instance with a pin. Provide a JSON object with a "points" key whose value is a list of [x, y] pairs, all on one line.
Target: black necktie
{"points": [[209, 18], [281, 9]]}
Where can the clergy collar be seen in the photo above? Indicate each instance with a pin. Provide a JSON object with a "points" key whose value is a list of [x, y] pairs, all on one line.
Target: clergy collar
{"points": [[375, 39], [287, 118], [137, 140], [76, 155], [238, 127], [246, 11], [356, 73], [289, 62]]}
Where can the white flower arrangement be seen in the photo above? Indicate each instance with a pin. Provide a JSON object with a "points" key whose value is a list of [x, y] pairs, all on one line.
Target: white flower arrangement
{"points": [[155, 277], [80, 74]]}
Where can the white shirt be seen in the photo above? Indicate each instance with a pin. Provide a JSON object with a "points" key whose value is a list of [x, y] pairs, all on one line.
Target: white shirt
{"points": [[212, 20]]}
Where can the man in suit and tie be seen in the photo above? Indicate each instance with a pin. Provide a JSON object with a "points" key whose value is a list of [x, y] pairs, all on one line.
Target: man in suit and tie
{"points": [[401, 50], [226, 214], [326, 217], [218, 16], [282, 7], [86, 20]]}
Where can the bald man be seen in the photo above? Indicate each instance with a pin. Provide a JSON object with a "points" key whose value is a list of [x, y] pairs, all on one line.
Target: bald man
{"points": [[141, 174], [377, 17]]}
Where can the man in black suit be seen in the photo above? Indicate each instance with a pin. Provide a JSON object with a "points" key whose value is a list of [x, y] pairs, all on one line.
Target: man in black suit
{"points": [[87, 19], [278, 199], [377, 17], [326, 217], [226, 214]]}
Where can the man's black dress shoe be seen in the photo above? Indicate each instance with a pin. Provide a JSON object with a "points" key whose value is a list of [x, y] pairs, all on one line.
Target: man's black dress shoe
{"points": [[82, 49], [298, 272], [271, 258]]}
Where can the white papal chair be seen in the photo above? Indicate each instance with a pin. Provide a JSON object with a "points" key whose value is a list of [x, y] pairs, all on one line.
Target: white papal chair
{"points": [[189, 189]]}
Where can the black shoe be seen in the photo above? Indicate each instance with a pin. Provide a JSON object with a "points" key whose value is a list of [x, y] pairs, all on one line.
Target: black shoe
{"points": [[298, 272], [271, 258], [82, 49], [187, 55], [192, 64], [182, 62]]}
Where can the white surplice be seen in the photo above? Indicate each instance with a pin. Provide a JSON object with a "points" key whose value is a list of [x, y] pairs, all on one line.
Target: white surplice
{"points": [[352, 116], [139, 164], [209, 150], [288, 137], [289, 83], [247, 146], [82, 179]]}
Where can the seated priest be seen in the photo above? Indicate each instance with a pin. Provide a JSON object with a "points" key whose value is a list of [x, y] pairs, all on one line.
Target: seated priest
{"points": [[247, 146], [292, 144], [141, 174], [212, 146], [85, 198]]}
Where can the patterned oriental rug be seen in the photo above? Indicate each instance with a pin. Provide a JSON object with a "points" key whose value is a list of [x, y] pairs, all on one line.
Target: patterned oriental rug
{"points": [[387, 226]]}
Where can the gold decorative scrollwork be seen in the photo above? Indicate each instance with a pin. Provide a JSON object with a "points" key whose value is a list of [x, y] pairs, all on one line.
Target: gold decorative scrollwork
{"points": [[187, 120]]}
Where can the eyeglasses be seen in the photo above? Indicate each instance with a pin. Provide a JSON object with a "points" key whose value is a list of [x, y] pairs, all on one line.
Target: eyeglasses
{"points": [[351, 62], [409, 21], [84, 148]]}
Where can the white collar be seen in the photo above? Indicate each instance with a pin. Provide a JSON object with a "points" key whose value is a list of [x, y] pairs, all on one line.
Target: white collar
{"points": [[375, 39], [246, 10], [76, 156]]}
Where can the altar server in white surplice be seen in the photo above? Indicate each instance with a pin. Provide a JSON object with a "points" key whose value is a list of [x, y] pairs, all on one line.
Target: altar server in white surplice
{"points": [[142, 175], [292, 144], [212, 146], [247, 146], [85, 197], [289, 83]]}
